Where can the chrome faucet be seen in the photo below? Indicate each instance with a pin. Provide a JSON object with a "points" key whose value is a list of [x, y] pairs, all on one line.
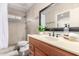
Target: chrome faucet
{"points": [[53, 33], [57, 35]]}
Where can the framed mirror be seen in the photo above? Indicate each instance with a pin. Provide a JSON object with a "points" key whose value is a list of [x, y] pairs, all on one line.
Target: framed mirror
{"points": [[56, 15]]}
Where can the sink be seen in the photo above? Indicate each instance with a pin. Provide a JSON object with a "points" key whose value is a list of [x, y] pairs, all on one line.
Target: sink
{"points": [[49, 37], [72, 39]]}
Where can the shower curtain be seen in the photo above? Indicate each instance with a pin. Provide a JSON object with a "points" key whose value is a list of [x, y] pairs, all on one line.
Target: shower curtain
{"points": [[3, 26]]}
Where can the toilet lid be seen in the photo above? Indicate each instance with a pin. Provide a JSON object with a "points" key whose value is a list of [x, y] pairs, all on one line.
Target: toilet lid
{"points": [[22, 49], [22, 43]]}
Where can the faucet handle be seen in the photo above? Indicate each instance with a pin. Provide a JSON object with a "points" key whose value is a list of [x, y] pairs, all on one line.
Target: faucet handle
{"points": [[53, 34], [57, 35], [49, 34]]}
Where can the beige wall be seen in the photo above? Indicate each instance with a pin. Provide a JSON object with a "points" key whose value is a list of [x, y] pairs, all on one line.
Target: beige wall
{"points": [[33, 17]]}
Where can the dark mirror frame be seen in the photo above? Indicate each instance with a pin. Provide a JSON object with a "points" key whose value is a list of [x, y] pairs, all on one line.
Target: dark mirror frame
{"points": [[75, 29]]}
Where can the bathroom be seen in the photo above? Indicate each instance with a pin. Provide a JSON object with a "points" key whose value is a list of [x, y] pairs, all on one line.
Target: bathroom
{"points": [[40, 25]]}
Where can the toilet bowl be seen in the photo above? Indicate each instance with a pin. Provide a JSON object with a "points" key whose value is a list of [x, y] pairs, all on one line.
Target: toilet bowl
{"points": [[23, 47]]}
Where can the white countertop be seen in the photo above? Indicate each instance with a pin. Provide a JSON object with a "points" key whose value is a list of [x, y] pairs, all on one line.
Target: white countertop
{"points": [[62, 43]]}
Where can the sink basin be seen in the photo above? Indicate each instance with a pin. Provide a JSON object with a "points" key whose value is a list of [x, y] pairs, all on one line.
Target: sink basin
{"points": [[73, 39], [49, 37]]}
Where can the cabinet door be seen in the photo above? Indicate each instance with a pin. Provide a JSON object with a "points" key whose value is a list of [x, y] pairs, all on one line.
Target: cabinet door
{"points": [[39, 52], [31, 48]]}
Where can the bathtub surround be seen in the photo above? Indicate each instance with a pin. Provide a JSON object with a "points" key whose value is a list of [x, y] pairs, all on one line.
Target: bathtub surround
{"points": [[3, 26]]}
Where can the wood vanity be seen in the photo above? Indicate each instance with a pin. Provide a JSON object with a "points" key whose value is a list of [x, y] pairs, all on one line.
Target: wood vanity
{"points": [[40, 48]]}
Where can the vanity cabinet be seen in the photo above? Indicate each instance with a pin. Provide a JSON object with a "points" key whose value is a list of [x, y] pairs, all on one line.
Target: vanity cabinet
{"points": [[40, 48]]}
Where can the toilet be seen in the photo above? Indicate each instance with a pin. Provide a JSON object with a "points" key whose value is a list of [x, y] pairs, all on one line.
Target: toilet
{"points": [[23, 47]]}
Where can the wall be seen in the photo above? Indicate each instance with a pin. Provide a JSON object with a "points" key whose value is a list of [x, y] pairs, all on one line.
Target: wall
{"points": [[33, 17]]}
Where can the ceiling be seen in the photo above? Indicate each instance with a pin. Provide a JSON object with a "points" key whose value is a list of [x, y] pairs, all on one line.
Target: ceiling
{"points": [[19, 8]]}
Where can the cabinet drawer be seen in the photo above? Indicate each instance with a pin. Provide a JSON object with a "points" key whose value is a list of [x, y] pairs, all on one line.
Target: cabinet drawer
{"points": [[33, 41], [39, 52]]}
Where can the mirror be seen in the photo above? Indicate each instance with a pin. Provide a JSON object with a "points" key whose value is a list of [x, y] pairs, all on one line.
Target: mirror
{"points": [[56, 15]]}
